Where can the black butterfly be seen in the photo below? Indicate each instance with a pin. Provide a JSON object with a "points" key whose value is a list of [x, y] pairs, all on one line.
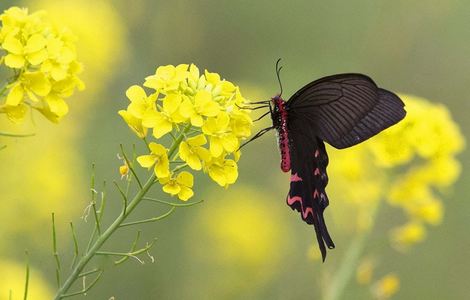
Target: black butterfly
{"points": [[342, 110]]}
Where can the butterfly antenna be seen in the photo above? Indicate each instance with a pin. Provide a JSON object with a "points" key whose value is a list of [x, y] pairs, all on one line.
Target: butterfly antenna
{"points": [[278, 72], [258, 135]]}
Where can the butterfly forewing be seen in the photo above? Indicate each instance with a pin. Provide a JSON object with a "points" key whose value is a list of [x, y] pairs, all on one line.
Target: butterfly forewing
{"points": [[345, 109]]}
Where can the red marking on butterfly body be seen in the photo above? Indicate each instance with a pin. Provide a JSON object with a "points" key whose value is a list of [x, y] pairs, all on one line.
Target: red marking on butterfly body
{"points": [[283, 134], [316, 172]]}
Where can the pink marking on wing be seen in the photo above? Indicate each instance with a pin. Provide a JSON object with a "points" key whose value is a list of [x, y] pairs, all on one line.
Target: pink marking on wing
{"points": [[295, 178], [306, 211], [292, 200], [317, 153], [316, 172], [315, 194]]}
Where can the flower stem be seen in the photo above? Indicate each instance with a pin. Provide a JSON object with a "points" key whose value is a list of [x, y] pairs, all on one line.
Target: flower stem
{"points": [[350, 260], [95, 247]]}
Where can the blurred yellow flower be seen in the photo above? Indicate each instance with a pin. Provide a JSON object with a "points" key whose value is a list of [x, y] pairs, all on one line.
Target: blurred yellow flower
{"points": [[101, 37], [52, 174], [408, 235], [419, 156], [180, 185], [44, 61], [158, 158], [14, 281], [386, 287], [365, 271]]}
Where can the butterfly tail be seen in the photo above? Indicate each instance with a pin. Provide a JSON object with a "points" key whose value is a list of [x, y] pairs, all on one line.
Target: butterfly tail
{"points": [[323, 237]]}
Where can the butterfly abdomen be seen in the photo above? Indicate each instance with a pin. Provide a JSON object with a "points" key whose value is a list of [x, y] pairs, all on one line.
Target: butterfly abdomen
{"points": [[280, 120]]}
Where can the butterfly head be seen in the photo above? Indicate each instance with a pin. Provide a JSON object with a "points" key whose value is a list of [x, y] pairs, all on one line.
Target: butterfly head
{"points": [[278, 110]]}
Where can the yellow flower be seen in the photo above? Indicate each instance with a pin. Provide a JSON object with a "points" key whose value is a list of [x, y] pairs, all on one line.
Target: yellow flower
{"points": [[162, 121], [192, 153], [387, 286], [167, 78], [203, 105], [32, 51], [134, 123], [240, 123], [30, 83], [15, 114], [158, 157], [124, 170], [221, 137], [223, 171], [181, 185], [364, 271], [140, 102], [47, 58], [408, 235]]}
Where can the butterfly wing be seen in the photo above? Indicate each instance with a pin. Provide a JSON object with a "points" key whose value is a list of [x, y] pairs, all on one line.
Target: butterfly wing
{"points": [[345, 109], [308, 181]]}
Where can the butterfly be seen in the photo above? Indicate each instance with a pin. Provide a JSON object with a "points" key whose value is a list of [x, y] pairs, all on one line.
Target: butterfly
{"points": [[342, 110]]}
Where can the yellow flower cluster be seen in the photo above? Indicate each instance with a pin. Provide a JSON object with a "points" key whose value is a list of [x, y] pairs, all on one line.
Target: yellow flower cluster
{"points": [[419, 154], [44, 64], [201, 113]]}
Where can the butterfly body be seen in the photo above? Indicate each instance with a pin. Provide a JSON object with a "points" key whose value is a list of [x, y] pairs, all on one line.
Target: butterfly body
{"points": [[279, 118], [343, 110]]}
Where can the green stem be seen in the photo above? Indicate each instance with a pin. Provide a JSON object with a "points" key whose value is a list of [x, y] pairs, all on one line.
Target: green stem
{"points": [[9, 134], [83, 261], [349, 263]]}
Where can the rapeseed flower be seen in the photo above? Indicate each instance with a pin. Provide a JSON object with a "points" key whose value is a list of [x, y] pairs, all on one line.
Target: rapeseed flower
{"points": [[180, 185], [44, 64], [158, 159], [202, 115]]}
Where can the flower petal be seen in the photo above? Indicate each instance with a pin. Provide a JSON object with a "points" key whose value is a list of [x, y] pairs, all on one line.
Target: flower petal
{"points": [[146, 161], [14, 61], [185, 193], [15, 96], [185, 178]]}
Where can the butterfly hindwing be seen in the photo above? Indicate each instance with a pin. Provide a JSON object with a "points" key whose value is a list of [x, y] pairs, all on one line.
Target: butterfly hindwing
{"points": [[346, 109], [308, 181]]}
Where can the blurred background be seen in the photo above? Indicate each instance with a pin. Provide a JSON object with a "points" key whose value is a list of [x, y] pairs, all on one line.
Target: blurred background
{"points": [[243, 242]]}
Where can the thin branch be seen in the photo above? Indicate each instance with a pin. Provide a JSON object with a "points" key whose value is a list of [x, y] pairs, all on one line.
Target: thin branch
{"points": [[75, 245], [26, 285], [55, 252], [9, 134], [127, 255], [89, 272], [149, 220], [124, 198], [103, 202], [130, 167], [97, 220], [85, 289], [134, 245], [171, 203]]}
